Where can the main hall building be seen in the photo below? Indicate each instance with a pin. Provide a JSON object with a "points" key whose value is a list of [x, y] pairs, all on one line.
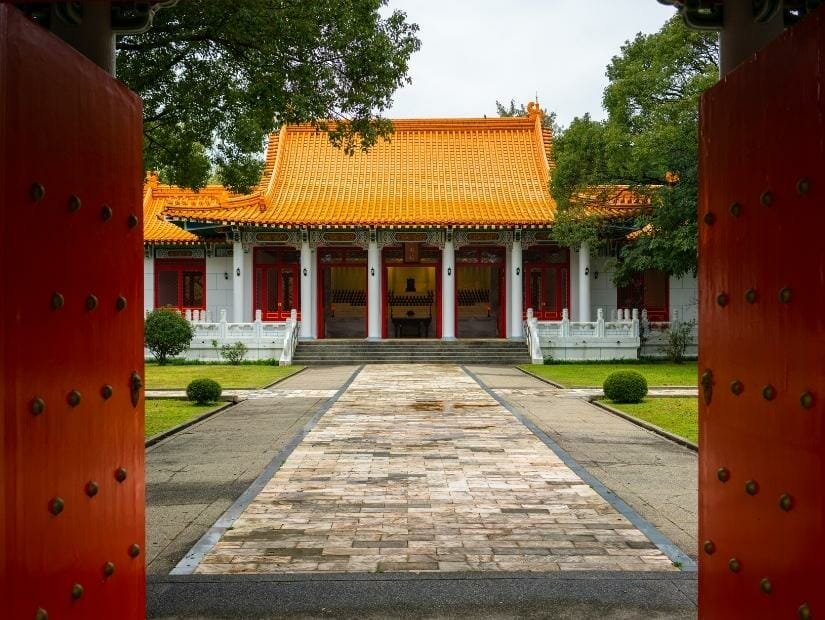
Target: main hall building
{"points": [[443, 231]]}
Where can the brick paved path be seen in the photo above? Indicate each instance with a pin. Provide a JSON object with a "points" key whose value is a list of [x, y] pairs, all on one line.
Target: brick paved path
{"points": [[418, 468]]}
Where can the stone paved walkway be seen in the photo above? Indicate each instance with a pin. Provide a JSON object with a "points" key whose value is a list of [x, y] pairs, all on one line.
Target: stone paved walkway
{"points": [[416, 468], [657, 477], [193, 476]]}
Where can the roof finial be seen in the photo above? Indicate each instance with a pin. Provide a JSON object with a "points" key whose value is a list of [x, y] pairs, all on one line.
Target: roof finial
{"points": [[534, 111]]}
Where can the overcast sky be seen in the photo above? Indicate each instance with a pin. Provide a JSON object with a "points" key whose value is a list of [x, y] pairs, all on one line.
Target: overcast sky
{"points": [[474, 52]]}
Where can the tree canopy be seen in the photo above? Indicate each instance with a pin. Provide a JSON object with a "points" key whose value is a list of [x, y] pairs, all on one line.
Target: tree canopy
{"points": [[217, 77], [651, 130]]}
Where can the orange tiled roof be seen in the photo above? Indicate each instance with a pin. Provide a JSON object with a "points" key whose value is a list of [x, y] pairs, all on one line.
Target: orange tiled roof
{"points": [[157, 197], [613, 201], [460, 172], [647, 229]]}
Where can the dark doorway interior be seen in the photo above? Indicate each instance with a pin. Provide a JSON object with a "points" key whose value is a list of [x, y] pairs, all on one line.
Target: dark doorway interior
{"points": [[480, 298], [343, 294]]}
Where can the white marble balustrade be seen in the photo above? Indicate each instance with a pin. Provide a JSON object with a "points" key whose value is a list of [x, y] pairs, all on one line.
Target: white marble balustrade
{"points": [[628, 335], [263, 340]]}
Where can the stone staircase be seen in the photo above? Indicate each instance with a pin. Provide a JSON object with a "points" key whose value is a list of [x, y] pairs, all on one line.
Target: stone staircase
{"points": [[482, 352]]}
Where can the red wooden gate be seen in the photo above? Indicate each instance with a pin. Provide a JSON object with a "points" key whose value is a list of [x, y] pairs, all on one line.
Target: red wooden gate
{"points": [[72, 492], [762, 355]]}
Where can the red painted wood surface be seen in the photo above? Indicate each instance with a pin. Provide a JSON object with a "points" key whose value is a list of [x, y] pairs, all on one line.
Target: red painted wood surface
{"points": [[70, 127], [762, 289]]}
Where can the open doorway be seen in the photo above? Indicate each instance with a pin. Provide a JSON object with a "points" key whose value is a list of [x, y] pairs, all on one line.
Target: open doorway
{"points": [[343, 293], [411, 301], [480, 293]]}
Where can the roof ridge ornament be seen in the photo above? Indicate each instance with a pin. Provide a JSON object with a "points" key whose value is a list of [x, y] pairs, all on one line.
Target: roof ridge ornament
{"points": [[534, 111]]}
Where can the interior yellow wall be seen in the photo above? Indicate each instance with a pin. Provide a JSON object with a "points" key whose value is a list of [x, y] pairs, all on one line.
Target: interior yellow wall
{"points": [[348, 278], [397, 279], [473, 277]]}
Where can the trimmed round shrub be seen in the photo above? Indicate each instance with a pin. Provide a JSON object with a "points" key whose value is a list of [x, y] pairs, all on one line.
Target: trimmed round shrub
{"points": [[203, 391], [167, 334], [625, 386]]}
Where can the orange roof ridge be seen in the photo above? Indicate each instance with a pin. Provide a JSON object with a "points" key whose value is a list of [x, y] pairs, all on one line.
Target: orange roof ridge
{"points": [[435, 124], [273, 161]]}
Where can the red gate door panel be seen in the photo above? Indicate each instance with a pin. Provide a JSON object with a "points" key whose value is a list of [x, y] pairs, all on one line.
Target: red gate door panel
{"points": [[762, 349], [72, 492]]}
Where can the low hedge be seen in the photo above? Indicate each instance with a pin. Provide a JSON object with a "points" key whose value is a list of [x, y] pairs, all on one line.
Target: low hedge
{"points": [[625, 386], [203, 391]]}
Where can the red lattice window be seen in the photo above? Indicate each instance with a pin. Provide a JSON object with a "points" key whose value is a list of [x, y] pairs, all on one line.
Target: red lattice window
{"points": [[181, 284]]}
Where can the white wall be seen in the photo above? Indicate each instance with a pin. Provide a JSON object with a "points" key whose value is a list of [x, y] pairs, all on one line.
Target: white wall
{"points": [[148, 284], [219, 287], [684, 297], [573, 274], [684, 293], [602, 290]]}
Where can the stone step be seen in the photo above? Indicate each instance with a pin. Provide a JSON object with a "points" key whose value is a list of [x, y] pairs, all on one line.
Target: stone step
{"points": [[420, 351], [522, 359], [323, 354], [458, 362], [517, 347], [331, 352]]}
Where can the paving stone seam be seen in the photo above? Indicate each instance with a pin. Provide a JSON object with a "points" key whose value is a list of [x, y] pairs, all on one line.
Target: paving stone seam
{"points": [[672, 551], [191, 560]]}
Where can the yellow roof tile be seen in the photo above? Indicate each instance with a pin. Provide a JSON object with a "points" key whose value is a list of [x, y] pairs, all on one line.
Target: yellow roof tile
{"points": [[157, 197], [460, 172]]}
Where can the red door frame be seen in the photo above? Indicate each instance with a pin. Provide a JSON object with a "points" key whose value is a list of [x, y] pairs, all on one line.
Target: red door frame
{"points": [[548, 315], [280, 266], [72, 480], [180, 265], [384, 298], [761, 364], [321, 323], [502, 286]]}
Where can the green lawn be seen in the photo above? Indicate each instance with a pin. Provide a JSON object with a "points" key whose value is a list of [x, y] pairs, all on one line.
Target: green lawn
{"points": [[248, 376], [166, 412], [680, 416], [594, 374]]}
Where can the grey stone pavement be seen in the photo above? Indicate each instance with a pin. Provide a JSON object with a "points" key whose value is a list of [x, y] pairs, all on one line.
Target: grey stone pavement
{"points": [[656, 477], [195, 475], [192, 478]]}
